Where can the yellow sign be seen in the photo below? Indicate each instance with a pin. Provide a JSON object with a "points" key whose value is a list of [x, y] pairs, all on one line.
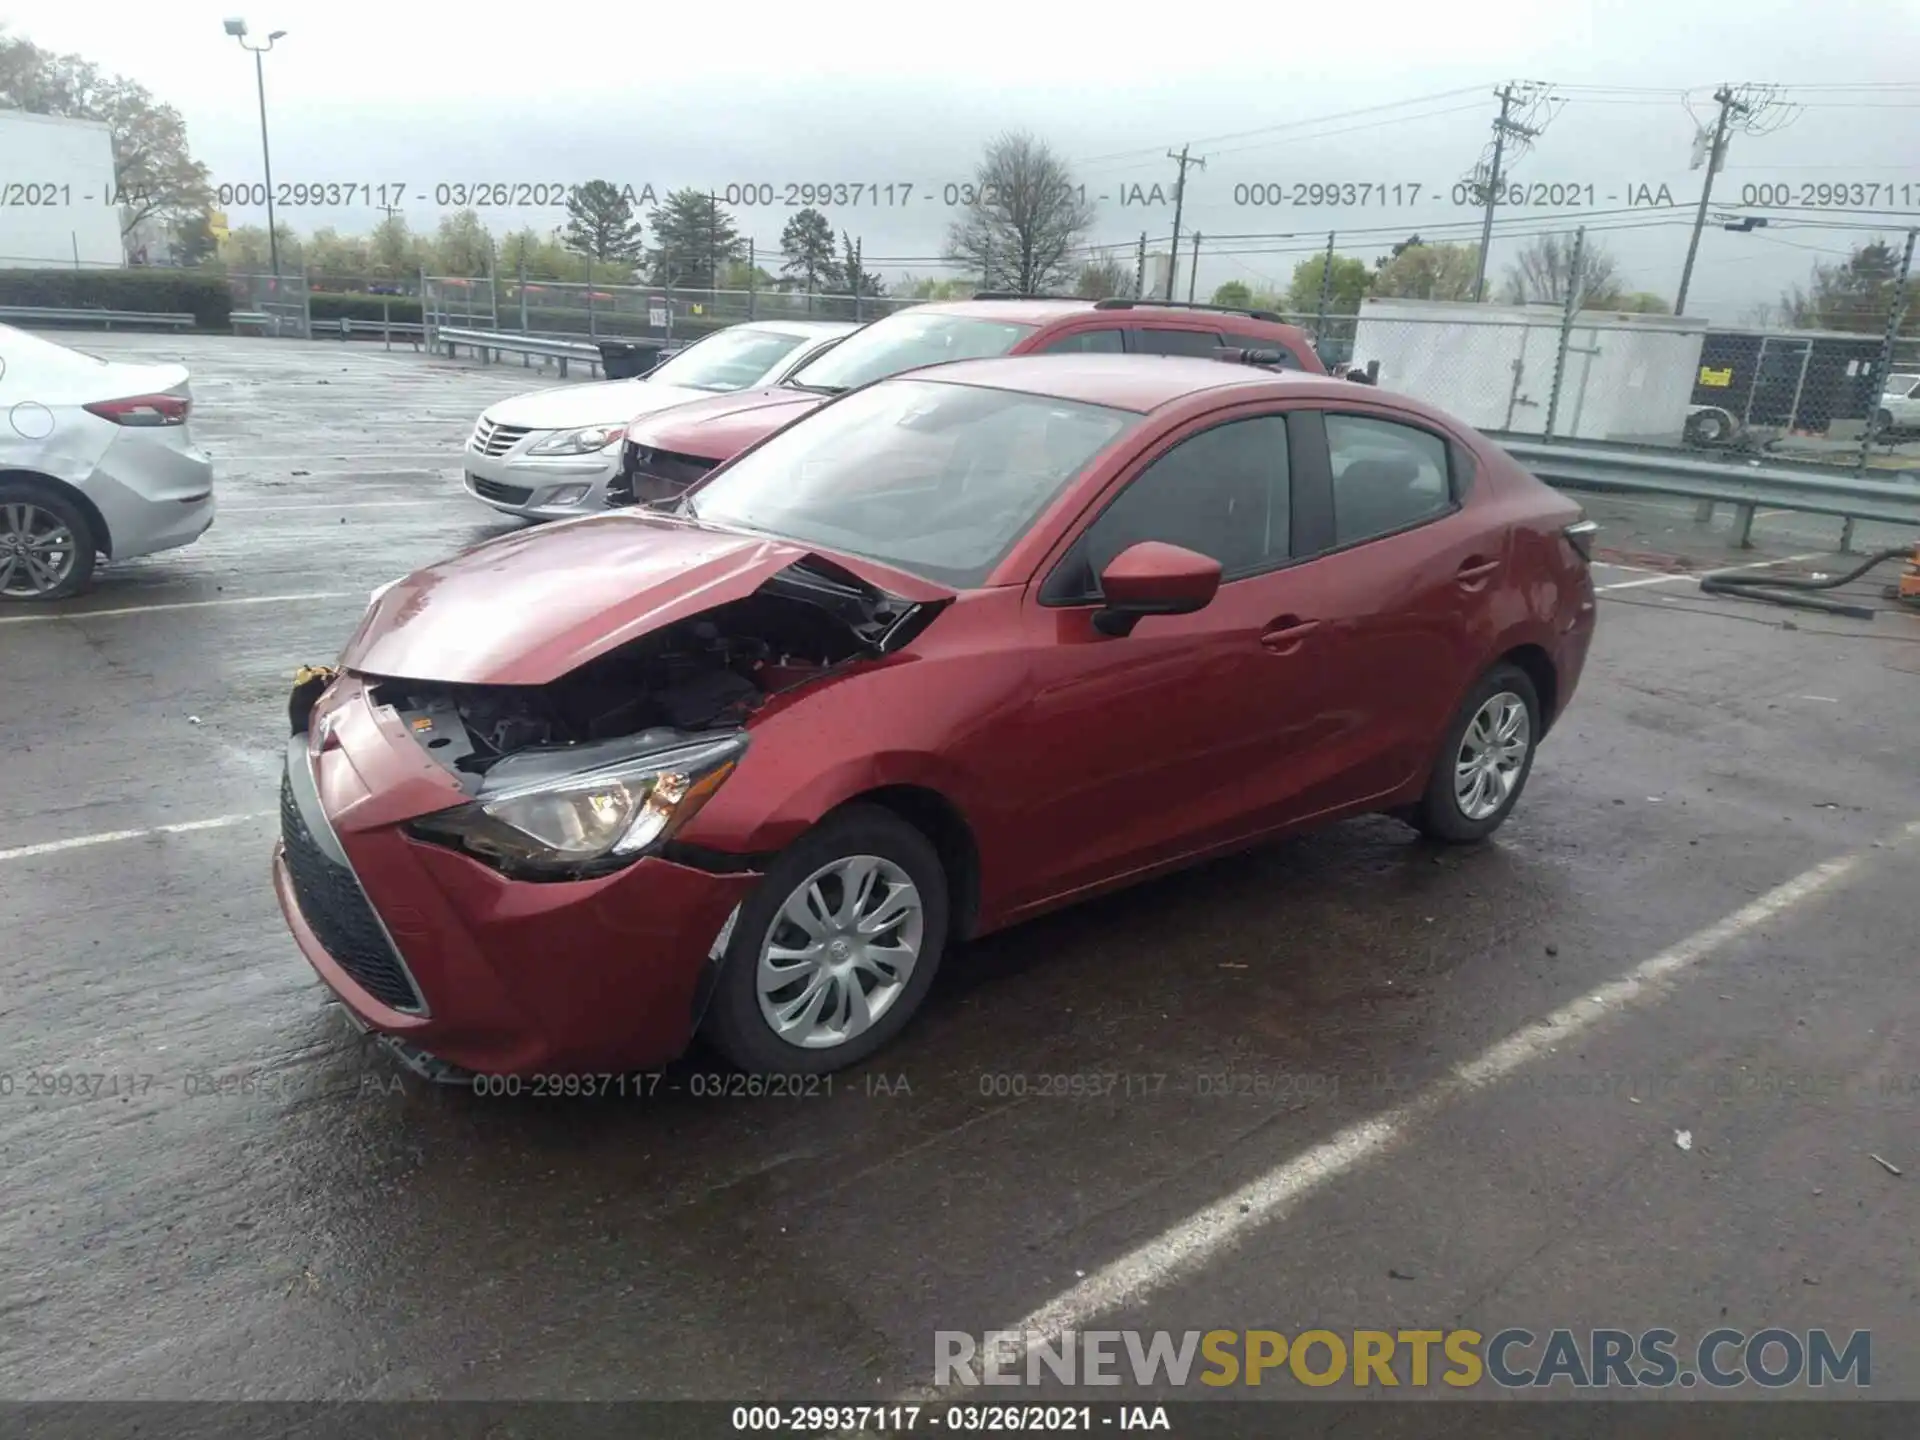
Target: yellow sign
{"points": [[1719, 379], [217, 224]]}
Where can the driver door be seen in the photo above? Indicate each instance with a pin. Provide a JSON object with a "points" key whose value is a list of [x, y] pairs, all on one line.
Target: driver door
{"points": [[1177, 738]]}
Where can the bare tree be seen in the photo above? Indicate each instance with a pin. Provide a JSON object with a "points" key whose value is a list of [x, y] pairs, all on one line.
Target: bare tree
{"points": [[1102, 278], [1026, 221], [1544, 272]]}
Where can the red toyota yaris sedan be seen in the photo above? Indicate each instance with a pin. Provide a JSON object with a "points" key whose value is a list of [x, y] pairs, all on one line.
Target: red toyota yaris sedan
{"points": [[962, 646]]}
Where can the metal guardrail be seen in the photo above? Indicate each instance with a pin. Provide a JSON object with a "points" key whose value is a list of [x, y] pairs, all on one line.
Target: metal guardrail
{"points": [[64, 315], [487, 344], [1818, 490], [412, 331]]}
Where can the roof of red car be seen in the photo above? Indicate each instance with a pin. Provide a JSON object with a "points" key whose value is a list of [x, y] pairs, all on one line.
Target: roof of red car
{"points": [[1126, 382], [1021, 312], [1040, 312]]}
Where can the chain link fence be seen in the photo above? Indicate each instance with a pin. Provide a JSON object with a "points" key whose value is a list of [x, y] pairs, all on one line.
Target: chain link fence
{"points": [[275, 304]]}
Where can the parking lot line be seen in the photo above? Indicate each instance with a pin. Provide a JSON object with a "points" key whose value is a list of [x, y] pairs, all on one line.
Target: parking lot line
{"points": [[109, 837], [1702, 574], [1209, 1232], [226, 510], [181, 605]]}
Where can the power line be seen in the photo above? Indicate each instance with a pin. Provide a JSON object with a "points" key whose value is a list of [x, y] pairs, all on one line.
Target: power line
{"points": [[1295, 124]]}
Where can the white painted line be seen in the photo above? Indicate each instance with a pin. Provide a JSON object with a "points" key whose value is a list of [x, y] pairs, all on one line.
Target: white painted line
{"points": [[182, 605], [109, 837], [226, 510], [1209, 1232], [1699, 575], [1823, 699]]}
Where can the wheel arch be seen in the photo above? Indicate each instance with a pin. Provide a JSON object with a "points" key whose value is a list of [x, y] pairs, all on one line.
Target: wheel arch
{"points": [[1537, 665], [940, 820], [39, 480]]}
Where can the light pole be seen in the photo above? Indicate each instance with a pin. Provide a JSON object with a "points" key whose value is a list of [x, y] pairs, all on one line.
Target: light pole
{"points": [[238, 29]]}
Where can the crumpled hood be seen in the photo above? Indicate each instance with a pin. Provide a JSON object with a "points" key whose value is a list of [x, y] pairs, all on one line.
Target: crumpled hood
{"points": [[721, 426], [603, 402], [528, 607]]}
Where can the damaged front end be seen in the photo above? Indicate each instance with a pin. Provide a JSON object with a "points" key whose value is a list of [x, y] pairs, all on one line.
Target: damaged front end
{"points": [[586, 773]]}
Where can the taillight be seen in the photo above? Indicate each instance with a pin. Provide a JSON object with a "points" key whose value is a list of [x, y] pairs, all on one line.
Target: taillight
{"points": [[1580, 535], [143, 410]]}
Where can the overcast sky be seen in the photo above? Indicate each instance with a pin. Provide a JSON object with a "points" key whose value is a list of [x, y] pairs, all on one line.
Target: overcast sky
{"points": [[856, 92]]}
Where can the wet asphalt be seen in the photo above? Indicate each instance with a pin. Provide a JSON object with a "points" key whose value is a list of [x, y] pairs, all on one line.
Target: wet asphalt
{"points": [[255, 1203]]}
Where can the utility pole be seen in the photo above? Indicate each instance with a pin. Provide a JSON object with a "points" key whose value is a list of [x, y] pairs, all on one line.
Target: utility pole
{"points": [[1503, 126], [1179, 201], [1193, 267], [1729, 105], [1140, 269]]}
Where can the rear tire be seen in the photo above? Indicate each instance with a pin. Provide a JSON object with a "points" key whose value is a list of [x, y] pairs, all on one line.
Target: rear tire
{"points": [[1483, 765], [848, 970], [46, 544]]}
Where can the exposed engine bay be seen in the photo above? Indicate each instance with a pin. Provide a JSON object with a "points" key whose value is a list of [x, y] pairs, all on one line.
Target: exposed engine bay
{"points": [[709, 672]]}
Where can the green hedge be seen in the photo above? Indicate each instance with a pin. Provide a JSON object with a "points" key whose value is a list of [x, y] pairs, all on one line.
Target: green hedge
{"points": [[159, 292], [397, 308]]}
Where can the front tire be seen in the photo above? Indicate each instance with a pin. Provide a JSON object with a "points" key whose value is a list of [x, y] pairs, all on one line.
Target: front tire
{"points": [[46, 544], [1484, 763], [835, 950]]}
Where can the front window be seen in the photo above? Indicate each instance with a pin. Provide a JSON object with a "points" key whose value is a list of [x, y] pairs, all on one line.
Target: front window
{"points": [[730, 360], [906, 342], [936, 479]]}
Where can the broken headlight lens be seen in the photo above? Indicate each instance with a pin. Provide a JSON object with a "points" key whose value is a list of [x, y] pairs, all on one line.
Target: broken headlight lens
{"points": [[572, 826], [580, 442]]}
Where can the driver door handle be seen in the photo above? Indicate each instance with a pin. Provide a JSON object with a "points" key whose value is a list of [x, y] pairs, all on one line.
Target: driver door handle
{"points": [[1285, 635]]}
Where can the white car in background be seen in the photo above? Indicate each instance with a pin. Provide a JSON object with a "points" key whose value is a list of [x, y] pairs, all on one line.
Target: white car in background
{"points": [[549, 454], [1900, 403], [95, 459]]}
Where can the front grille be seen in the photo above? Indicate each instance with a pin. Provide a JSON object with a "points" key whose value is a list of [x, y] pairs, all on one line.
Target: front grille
{"points": [[495, 440], [494, 490], [337, 912]]}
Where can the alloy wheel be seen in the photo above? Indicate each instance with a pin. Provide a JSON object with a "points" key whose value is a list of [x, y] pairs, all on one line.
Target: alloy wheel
{"points": [[840, 951], [37, 550], [1493, 752]]}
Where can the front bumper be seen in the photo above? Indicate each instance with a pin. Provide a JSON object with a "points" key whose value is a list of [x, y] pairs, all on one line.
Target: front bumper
{"points": [[536, 487], [506, 976]]}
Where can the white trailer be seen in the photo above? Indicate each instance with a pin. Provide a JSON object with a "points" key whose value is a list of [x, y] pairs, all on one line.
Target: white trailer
{"points": [[1628, 377], [57, 199]]}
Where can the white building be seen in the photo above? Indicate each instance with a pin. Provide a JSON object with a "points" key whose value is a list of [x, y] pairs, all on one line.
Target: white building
{"points": [[58, 207]]}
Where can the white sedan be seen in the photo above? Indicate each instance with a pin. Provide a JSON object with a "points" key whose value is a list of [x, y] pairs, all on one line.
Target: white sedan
{"points": [[95, 459], [549, 454]]}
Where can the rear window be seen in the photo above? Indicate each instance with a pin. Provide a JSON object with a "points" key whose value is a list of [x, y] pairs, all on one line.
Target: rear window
{"points": [[906, 342]]}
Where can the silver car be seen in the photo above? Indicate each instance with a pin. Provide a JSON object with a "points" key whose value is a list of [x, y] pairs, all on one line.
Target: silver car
{"points": [[549, 454], [95, 459]]}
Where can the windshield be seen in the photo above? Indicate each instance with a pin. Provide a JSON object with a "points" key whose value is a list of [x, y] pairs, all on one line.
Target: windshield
{"points": [[935, 479], [906, 342], [729, 360], [1901, 384]]}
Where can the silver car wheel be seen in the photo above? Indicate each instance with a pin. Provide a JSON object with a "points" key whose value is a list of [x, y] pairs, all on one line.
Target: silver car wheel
{"points": [[1493, 752], [840, 951], [37, 550]]}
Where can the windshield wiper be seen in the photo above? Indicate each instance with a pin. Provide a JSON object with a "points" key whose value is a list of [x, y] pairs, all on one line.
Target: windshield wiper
{"points": [[818, 389]]}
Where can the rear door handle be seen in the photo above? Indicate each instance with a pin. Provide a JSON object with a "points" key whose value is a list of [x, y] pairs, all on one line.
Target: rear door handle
{"points": [[1474, 569], [1285, 635]]}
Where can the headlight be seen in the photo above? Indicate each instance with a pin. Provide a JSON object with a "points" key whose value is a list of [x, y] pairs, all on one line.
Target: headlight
{"points": [[573, 826], [580, 442]]}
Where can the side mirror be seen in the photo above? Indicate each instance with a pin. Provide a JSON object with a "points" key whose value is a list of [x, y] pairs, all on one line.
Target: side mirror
{"points": [[1154, 578]]}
